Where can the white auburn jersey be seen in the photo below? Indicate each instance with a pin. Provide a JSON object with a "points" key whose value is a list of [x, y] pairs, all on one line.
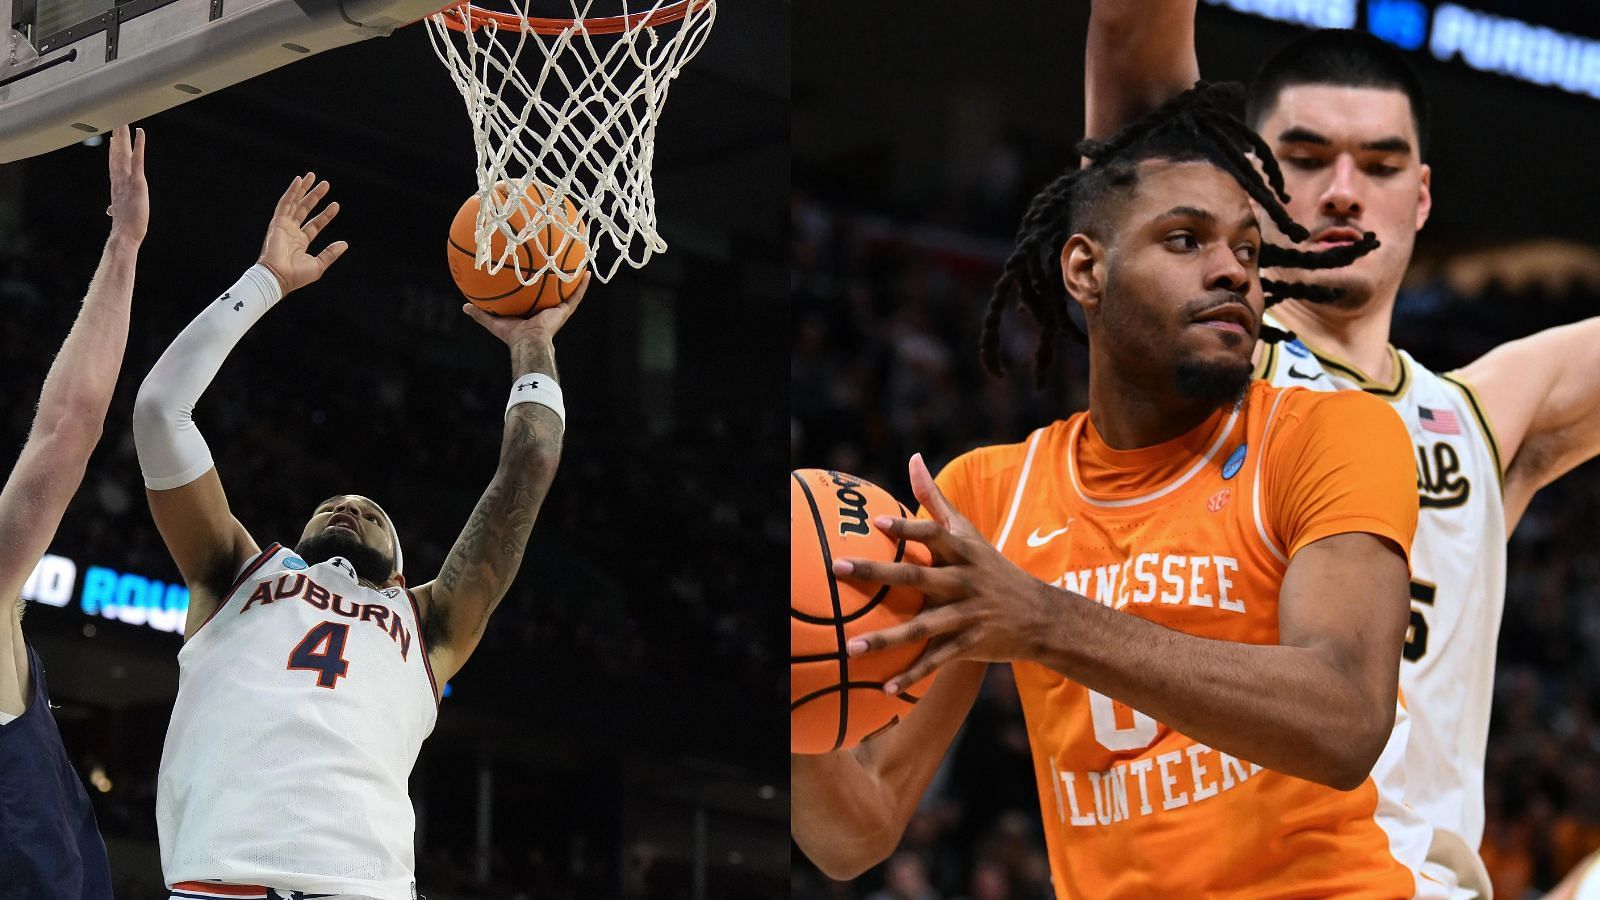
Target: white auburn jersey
{"points": [[1458, 579], [302, 704]]}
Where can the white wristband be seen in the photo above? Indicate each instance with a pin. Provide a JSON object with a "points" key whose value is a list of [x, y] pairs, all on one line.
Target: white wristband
{"points": [[540, 389]]}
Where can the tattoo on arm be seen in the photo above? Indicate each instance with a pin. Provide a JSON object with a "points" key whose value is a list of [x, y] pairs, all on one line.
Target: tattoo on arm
{"points": [[484, 561]]}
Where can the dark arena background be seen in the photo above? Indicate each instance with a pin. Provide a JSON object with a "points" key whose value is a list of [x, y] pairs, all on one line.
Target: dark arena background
{"points": [[918, 139], [619, 731]]}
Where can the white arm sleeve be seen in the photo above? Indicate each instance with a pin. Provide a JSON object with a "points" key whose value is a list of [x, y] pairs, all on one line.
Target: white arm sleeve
{"points": [[171, 451]]}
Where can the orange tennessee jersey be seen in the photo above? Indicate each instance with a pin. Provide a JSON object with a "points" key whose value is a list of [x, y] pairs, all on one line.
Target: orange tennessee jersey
{"points": [[1196, 534]]}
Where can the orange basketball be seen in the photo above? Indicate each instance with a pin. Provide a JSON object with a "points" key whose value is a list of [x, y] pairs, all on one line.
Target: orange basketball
{"points": [[502, 293], [836, 701]]}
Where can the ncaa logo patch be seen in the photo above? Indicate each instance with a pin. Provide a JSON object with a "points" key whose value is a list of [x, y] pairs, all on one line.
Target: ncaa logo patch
{"points": [[294, 562], [1297, 348], [1234, 463]]}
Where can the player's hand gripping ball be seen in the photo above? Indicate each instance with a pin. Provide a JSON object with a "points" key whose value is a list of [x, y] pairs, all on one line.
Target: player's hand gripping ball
{"points": [[836, 701], [502, 293]]}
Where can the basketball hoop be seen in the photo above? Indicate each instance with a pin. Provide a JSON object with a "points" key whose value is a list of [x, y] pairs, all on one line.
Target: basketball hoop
{"points": [[575, 122], [467, 17]]}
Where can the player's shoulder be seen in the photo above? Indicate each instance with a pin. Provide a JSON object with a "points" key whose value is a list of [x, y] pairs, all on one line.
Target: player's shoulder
{"points": [[1333, 409], [1003, 461], [1347, 423]]}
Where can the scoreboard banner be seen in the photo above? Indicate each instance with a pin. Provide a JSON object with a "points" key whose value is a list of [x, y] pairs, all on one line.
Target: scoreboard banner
{"points": [[1530, 51], [106, 593]]}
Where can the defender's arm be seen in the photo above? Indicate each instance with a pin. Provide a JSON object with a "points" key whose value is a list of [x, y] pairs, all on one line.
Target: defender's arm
{"points": [[481, 566], [1541, 395], [1140, 53], [72, 410], [186, 497]]}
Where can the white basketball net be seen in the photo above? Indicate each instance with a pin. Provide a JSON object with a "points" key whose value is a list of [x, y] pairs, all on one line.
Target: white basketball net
{"points": [[578, 117]]}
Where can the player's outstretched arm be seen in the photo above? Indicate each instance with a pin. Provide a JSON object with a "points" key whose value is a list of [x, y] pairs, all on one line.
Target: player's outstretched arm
{"points": [[72, 409], [1541, 395], [1140, 53], [848, 810], [481, 565], [185, 493]]}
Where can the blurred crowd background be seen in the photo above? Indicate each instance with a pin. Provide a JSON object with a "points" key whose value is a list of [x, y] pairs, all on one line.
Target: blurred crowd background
{"points": [[618, 732], [899, 224]]}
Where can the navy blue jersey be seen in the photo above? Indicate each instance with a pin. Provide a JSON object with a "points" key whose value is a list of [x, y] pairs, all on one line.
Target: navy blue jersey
{"points": [[50, 848]]}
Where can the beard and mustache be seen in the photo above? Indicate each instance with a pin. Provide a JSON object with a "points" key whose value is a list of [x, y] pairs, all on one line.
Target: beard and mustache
{"points": [[370, 563]]}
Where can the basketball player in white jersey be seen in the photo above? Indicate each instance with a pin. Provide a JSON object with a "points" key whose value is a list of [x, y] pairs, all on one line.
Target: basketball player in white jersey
{"points": [[310, 675], [1346, 120]]}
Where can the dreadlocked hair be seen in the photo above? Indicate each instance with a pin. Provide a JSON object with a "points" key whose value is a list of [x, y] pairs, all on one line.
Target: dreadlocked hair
{"points": [[1201, 124]]}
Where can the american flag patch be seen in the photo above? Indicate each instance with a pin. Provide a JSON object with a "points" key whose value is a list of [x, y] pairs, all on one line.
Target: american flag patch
{"points": [[1439, 421]]}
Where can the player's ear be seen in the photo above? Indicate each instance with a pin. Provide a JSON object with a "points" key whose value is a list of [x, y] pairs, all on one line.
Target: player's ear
{"points": [[1424, 196], [1083, 270]]}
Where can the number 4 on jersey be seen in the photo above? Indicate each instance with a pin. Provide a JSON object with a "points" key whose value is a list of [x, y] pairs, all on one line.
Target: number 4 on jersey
{"points": [[322, 651]]}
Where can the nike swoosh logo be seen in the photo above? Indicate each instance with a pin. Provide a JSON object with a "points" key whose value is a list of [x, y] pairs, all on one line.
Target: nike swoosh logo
{"points": [[1035, 540], [1305, 376]]}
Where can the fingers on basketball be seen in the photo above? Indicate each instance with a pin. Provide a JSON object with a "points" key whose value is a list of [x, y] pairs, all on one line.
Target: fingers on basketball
{"points": [[580, 289], [557, 251], [927, 491], [837, 700]]}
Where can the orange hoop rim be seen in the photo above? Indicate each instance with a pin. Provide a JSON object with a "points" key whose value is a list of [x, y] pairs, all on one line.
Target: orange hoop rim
{"points": [[466, 17]]}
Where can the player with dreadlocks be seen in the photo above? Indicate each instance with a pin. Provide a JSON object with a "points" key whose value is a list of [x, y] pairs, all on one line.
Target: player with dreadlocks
{"points": [[1030, 277], [1348, 119], [1200, 583]]}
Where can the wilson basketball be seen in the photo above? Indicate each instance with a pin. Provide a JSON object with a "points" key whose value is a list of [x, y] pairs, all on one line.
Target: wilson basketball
{"points": [[836, 701], [502, 293]]}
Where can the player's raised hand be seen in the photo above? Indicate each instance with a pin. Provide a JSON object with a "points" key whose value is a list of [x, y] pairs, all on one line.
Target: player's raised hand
{"points": [[130, 196], [981, 606], [541, 326], [287, 248]]}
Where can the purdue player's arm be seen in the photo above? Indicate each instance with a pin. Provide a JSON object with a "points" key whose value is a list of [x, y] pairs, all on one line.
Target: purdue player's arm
{"points": [[1540, 397], [1140, 53], [185, 493], [72, 411], [481, 565]]}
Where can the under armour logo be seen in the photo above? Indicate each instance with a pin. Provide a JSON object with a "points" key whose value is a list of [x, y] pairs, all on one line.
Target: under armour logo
{"points": [[238, 304], [528, 386]]}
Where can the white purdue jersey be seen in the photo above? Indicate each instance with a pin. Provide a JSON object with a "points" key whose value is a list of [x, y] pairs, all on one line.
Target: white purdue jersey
{"points": [[1458, 572], [302, 703]]}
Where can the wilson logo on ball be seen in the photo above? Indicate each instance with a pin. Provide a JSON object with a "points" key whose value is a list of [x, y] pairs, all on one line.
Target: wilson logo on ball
{"points": [[852, 504]]}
